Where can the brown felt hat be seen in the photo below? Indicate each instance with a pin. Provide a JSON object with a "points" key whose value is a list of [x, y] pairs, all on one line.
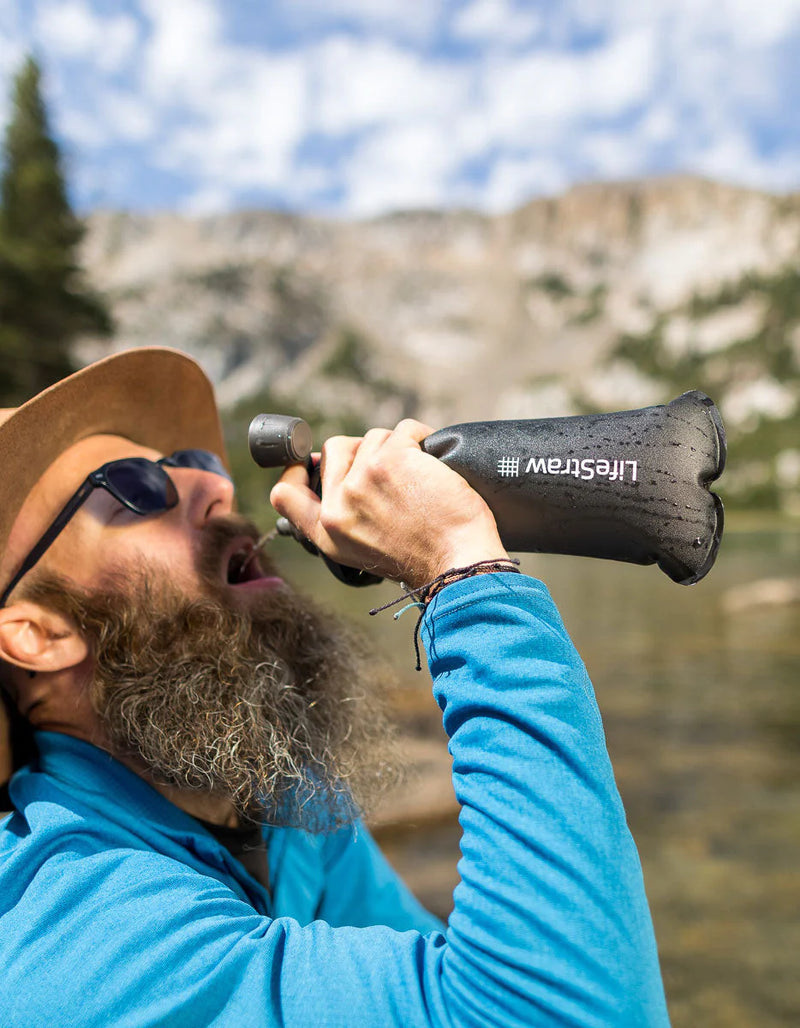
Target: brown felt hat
{"points": [[153, 396]]}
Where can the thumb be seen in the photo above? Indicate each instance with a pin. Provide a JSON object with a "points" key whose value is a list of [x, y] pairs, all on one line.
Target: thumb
{"points": [[292, 498]]}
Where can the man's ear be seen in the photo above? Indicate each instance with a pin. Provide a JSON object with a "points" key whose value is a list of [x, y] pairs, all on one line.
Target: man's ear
{"points": [[38, 639]]}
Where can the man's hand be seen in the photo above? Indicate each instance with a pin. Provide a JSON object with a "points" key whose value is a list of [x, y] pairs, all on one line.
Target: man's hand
{"points": [[389, 508]]}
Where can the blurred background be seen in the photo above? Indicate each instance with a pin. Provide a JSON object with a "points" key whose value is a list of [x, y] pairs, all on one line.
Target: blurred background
{"points": [[463, 210]]}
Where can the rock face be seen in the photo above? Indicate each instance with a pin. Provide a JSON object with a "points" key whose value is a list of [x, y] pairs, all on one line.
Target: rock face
{"points": [[610, 296]]}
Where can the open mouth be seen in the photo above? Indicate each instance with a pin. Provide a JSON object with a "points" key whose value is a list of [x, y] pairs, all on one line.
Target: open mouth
{"points": [[244, 568]]}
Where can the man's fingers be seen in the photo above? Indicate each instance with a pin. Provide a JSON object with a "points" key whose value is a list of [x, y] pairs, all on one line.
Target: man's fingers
{"points": [[293, 499], [390, 507], [348, 468], [295, 474], [373, 440], [409, 429], [407, 434], [338, 454]]}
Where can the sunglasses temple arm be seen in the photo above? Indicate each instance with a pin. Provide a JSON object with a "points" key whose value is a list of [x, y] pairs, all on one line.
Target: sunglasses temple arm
{"points": [[59, 524]]}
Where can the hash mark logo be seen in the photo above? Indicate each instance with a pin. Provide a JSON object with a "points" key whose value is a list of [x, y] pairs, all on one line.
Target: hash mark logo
{"points": [[508, 467]]}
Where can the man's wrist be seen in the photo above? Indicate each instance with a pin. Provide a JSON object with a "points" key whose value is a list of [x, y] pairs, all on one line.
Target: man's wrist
{"points": [[421, 595], [493, 565], [455, 549]]}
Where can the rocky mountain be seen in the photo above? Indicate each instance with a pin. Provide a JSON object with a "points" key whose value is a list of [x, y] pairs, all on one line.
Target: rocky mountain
{"points": [[608, 297]]}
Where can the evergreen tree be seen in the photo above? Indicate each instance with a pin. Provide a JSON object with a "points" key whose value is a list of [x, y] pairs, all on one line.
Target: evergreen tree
{"points": [[44, 301]]}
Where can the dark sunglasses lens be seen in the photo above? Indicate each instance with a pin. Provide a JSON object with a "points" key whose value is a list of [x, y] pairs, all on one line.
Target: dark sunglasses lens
{"points": [[201, 460], [141, 485]]}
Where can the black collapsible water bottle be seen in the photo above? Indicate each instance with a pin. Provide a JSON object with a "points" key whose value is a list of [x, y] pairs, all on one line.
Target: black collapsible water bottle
{"points": [[630, 486]]}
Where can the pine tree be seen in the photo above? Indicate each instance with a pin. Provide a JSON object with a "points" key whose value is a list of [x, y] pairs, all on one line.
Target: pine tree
{"points": [[44, 301]]}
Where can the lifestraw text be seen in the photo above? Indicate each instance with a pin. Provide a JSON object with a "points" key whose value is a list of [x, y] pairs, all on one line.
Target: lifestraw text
{"points": [[614, 470]]}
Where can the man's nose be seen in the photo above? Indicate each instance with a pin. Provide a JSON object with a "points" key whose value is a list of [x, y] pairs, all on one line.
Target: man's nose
{"points": [[202, 495]]}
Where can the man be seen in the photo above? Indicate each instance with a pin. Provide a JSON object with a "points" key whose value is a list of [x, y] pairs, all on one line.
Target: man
{"points": [[184, 847]]}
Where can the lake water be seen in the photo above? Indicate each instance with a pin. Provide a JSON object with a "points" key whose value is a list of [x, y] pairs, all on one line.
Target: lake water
{"points": [[702, 712]]}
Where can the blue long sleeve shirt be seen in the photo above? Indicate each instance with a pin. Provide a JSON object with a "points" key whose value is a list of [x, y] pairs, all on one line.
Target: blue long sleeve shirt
{"points": [[116, 908]]}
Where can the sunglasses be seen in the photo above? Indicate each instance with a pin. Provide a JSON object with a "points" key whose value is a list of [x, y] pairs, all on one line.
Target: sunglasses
{"points": [[141, 485]]}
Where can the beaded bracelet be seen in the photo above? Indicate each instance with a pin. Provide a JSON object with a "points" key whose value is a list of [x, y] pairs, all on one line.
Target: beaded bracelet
{"points": [[425, 593]]}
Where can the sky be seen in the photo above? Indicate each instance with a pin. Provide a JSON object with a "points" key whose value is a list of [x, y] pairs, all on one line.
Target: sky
{"points": [[357, 107]]}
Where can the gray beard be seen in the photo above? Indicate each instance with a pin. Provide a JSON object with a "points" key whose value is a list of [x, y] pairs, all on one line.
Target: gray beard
{"points": [[266, 705]]}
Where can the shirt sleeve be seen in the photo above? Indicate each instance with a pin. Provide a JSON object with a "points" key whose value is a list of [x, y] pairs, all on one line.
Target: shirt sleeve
{"points": [[362, 889], [550, 925], [551, 905]]}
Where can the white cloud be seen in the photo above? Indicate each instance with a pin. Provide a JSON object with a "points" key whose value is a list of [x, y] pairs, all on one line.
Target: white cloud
{"points": [[495, 21], [402, 19], [184, 58], [621, 75], [659, 125], [242, 111], [244, 131], [514, 180], [407, 166], [731, 157], [71, 28], [131, 119], [754, 22], [209, 200], [82, 129], [550, 114], [82, 45], [358, 85], [372, 11], [405, 120], [765, 23], [609, 154], [9, 20], [531, 94]]}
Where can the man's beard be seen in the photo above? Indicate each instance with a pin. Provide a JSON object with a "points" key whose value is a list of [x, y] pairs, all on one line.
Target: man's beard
{"points": [[266, 704]]}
